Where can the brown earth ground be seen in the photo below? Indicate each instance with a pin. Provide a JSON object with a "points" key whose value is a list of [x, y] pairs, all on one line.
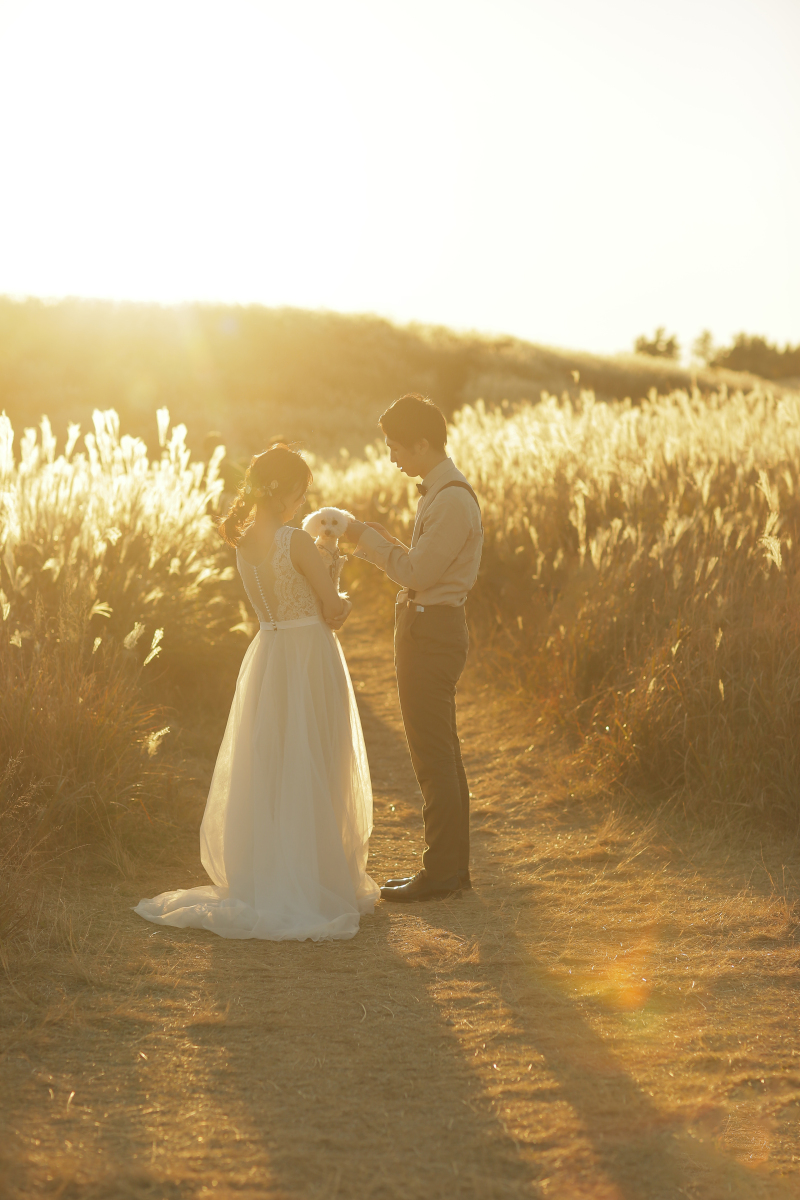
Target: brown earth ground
{"points": [[610, 1013]]}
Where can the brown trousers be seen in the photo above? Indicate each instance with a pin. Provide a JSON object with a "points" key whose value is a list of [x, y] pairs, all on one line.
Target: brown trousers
{"points": [[430, 650]]}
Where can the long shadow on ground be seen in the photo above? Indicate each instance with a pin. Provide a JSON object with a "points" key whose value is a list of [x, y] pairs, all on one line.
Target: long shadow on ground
{"points": [[628, 1142]]}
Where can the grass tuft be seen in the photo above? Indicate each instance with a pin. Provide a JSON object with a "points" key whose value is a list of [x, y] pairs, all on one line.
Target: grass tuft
{"points": [[639, 582]]}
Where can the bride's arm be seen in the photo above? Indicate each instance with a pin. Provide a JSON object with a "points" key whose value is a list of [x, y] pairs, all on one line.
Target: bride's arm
{"points": [[307, 560]]}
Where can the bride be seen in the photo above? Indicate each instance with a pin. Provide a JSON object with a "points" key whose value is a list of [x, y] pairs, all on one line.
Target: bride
{"points": [[286, 827]]}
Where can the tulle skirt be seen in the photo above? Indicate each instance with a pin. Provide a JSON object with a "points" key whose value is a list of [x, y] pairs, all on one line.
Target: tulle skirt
{"points": [[287, 822]]}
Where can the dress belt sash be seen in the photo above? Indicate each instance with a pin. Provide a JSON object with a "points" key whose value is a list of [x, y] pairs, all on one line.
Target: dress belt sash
{"points": [[290, 624]]}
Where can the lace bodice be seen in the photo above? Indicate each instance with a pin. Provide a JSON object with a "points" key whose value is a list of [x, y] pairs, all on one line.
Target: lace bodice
{"points": [[274, 588]]}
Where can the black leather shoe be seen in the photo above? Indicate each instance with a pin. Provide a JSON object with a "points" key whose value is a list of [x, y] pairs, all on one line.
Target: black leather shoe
{"points": [[466, 882], [422, 888]]}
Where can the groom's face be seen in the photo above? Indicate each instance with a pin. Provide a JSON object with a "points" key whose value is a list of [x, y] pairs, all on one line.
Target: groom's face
{"points": [[407, 458]]}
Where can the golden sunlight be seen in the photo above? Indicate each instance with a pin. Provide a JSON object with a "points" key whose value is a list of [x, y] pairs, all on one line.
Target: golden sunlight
{"points": [[488, 887], [533, 169]]}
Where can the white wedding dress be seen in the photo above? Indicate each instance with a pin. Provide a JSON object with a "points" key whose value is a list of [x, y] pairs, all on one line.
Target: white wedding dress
{"points": [[287, 822]]}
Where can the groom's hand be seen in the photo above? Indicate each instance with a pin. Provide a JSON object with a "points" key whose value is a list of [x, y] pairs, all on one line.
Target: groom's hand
{"points": [[381, 529], [354, 531], [384, 532]]}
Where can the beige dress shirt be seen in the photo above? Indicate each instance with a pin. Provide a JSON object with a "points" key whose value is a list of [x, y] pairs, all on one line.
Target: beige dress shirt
{"points": [[442, 564]]}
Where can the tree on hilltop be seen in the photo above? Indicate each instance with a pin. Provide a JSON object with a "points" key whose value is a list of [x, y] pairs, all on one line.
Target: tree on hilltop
{"points": [[703, 348], [659, 346], [757, 355]]}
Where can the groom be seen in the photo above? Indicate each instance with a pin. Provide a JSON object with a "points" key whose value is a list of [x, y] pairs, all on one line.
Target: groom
{"points": [[435, 573]]}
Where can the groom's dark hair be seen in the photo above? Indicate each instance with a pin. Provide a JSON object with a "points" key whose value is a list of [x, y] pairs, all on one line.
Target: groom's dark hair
{"points": [[412, 418]]}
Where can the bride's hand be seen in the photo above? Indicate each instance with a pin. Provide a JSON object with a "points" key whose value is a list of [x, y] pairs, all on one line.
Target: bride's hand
{"points": [[336, 623]]}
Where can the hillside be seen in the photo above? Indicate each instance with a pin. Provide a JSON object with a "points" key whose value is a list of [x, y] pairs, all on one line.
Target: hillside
{"points": [[250, 372]]}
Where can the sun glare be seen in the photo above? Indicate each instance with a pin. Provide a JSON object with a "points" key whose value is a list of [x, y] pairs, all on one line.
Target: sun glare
{"points": [[499, 166]]}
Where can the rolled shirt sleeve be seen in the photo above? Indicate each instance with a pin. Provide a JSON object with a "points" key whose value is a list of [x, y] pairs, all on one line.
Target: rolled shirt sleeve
{"points": [[447, 527]]}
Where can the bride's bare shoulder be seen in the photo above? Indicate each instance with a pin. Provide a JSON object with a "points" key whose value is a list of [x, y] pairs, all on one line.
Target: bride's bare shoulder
{"points": [[302, 546]]}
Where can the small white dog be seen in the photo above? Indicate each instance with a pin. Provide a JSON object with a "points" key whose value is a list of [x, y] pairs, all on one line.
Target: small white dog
{"points": [[326, 526]]}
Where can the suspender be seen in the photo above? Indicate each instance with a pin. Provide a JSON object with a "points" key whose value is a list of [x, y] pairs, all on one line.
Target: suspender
{"points": [[459, 483]]}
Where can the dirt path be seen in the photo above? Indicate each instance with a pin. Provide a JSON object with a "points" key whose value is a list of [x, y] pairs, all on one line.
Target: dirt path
{"points": [[605, 1015]]}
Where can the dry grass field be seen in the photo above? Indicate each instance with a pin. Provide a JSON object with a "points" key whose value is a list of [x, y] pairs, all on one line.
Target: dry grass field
{"points": [[610, 1014], [640, 579]]}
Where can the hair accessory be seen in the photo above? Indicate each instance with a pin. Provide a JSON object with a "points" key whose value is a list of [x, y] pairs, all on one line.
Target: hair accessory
{"points": [[258, 492]]}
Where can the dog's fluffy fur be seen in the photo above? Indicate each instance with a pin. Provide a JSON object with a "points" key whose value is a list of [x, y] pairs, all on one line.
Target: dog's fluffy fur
{"points": [[326, 526]]}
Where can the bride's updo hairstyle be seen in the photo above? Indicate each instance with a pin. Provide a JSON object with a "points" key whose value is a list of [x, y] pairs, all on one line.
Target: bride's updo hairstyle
{"points": [[271, 477]]}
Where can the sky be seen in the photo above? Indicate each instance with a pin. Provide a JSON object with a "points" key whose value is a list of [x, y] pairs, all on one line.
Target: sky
{"points": [[574, 172]]}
